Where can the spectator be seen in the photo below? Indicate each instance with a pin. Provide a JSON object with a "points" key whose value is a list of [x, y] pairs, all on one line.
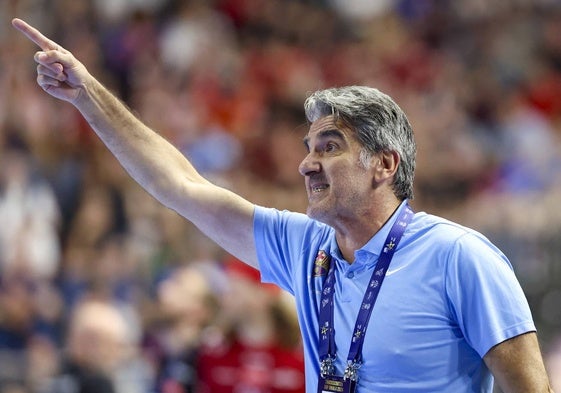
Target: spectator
{"points": [[258, 349], [186, 306], [97, 344]]}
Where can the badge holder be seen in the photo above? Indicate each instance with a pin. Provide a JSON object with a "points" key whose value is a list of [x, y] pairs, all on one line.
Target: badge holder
{"points": [[328, 382]]}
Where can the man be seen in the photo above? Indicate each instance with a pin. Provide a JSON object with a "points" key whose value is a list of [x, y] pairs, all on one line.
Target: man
{"points": [[95, 349], [257, 348], [450, 312]]}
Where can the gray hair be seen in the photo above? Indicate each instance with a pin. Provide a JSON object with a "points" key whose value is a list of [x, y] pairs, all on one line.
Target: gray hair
{"points": [[380, 125]]}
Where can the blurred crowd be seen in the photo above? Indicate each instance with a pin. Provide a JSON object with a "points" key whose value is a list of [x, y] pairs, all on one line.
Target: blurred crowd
{"points": [[103, 290]]}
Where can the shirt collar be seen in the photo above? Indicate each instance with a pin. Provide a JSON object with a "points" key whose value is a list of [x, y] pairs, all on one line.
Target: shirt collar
{"points": [[369, 253], [375, 244]]}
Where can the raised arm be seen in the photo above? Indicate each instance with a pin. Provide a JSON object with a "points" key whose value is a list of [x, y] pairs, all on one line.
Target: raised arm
{"points": [[151, 160]]}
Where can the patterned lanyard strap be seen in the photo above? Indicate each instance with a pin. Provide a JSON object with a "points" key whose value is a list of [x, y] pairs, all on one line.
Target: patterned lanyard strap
{"points": [[327, 350]]}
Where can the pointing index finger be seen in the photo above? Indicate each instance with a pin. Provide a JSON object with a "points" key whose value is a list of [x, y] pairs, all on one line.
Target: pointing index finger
{"points": [[34, 35]]}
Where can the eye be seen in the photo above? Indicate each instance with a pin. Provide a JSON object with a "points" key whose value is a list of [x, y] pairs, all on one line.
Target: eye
{"points": [[330, 146]]}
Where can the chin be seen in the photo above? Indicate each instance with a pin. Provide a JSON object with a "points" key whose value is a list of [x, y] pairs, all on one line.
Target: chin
{"points": [[311, 212], [318, 214]]}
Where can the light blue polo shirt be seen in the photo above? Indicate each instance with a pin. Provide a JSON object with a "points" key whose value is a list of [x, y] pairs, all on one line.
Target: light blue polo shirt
{"points": [[448, 297]]}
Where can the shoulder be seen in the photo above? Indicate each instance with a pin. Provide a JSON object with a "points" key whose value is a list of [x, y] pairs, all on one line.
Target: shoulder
{"points": [[286, 220], [445, 231], [450, 239], [293, 232]]}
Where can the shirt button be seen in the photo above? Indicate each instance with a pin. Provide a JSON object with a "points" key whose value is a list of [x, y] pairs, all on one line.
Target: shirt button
{"points": [[350, 275]]}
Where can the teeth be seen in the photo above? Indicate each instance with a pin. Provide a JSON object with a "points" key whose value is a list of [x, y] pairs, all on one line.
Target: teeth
{"points": [[319, 188]]}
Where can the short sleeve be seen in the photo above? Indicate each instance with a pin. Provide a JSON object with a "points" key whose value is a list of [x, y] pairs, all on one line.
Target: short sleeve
{"points": [[484, 294], [281, 240]]}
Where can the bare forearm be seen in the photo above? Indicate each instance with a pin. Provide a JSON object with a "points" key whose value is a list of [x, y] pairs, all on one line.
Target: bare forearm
{"points": [[151, 160], [167, 174]]}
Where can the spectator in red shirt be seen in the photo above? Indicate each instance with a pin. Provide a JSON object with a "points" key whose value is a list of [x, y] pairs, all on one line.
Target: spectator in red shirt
{"points": [[259, 350]]}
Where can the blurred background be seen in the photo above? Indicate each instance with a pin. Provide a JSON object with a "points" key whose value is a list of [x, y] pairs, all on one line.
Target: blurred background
{"points": [[103, 290]]}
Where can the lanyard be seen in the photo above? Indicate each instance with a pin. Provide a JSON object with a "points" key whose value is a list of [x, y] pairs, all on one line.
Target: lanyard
{"points": [[327, 350]]}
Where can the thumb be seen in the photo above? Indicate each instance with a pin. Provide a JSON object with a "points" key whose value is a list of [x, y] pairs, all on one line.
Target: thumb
{"points": [[55, 60]]}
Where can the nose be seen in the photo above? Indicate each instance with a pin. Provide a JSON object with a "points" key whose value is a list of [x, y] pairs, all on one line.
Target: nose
{"points": [[308, 165]]}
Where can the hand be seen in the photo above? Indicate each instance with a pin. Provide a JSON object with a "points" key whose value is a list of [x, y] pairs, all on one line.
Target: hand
{"points": [[58, 71]]}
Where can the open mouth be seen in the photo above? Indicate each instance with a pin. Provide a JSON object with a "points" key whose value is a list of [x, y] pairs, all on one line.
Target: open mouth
{"points": [[319, 188]]}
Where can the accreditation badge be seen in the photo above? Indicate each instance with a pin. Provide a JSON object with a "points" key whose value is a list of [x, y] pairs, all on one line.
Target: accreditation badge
{"points": [[334, 384]]}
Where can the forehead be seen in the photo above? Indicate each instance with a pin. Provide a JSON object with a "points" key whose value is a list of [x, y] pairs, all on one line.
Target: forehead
{"points": [[327, 126], [322, 122]]}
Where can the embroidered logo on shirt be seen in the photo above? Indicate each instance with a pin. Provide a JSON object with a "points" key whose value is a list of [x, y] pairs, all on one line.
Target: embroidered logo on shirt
{"points": [[321, 264]]}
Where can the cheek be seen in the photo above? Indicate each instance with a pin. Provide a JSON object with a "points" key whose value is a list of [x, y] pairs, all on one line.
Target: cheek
{"points": [[352, 178]]}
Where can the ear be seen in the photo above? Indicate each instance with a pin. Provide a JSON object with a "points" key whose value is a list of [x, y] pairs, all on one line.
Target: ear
{"points": [[385, 165]]}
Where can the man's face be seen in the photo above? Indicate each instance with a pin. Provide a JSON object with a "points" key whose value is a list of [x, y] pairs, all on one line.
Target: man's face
{"points": [[339, 186]]}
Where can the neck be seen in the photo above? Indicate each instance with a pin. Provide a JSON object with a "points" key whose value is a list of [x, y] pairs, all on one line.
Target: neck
{"points": [[354, 234]]}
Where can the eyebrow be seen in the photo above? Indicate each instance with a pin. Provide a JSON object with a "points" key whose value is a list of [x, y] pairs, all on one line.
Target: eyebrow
{"points": [[329, 133]]}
